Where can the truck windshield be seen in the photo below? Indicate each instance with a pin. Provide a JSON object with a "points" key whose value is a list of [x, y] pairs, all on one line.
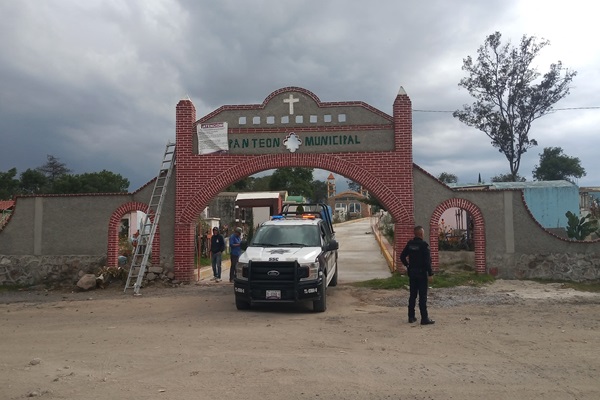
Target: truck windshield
{"points": [[287, 235]]}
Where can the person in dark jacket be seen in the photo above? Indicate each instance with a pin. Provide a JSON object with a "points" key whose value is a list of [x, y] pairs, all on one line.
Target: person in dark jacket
{"points": [[417, 259], [217, 247]]}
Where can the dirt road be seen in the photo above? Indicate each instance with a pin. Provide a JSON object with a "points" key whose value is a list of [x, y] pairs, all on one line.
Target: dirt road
{"points": [[513, 340]]}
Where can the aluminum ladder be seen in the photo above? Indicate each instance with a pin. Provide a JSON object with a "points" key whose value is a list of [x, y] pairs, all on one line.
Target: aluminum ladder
{"points": [[146, 237]]}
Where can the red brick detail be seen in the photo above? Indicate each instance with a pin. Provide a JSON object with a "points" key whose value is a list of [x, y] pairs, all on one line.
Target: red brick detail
{"points": [[322, 128], [478, 231], [387, 175], [113, 233]]}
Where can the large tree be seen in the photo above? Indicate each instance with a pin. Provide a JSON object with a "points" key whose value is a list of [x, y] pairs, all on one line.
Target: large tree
{"points": [[297, 181], [94, 182], [319, 192], [508, 94], [53, 169], [554, 165]]}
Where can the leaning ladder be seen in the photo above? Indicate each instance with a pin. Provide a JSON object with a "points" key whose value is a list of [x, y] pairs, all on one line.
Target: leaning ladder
{"points": [[146, 237]]}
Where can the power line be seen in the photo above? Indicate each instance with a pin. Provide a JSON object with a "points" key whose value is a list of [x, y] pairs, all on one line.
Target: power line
{"points": [[555, 109], [576, 108], [433, 111]]}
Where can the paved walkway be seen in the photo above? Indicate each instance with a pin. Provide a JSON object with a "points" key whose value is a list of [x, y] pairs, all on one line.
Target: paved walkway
{"points": [[360, 256], [205, 272], [363, 254]]}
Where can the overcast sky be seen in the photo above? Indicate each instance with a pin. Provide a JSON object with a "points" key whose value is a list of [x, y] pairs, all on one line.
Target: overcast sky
{"points": [[95, 83]]}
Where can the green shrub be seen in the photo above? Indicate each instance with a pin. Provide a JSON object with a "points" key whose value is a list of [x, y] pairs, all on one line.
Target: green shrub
{"points": [[580, 228]]}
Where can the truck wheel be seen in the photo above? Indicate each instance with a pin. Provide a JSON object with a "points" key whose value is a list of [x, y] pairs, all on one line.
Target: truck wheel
{"points": [[242, 305], [335, 276], [321, 304]]}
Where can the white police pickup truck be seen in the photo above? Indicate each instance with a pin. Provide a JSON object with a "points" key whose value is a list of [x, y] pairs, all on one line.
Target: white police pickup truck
{"points": [[291, 258]]}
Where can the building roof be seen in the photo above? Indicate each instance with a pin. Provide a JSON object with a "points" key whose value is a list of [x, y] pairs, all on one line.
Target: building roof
{"points": [[589, 189], [512, 185], [529, 185], [296, 199], [257, 195], [350, 193], [6, 204]]}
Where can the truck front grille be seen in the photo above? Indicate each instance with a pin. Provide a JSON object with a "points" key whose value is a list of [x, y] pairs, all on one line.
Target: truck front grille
{"points": [[273, 271]]}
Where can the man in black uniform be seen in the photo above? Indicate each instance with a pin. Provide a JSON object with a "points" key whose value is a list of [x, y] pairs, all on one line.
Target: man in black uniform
{"points": [[419, 274]]}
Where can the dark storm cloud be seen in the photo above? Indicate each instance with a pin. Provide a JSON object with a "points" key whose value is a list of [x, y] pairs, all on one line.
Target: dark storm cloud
{"points": [[96, 83]]}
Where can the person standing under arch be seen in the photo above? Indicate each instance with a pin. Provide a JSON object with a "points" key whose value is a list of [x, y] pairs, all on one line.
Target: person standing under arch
{"points": [[217, 246], [420, 274], [235, 248]]}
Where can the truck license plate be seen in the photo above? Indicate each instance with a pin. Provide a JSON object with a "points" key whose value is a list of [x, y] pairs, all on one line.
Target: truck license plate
{"points": [[273, 294]]}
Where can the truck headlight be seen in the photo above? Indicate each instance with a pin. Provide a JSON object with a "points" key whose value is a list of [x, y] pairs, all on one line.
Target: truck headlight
{"points": [[309, 271], [241, 270]]}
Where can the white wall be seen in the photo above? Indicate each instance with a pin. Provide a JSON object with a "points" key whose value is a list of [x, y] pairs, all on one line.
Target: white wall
{"points": [[261, 214]]}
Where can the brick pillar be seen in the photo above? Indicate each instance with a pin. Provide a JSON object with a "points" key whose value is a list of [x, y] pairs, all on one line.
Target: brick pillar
{"points": [[434, 231], [184, 230], [184, 252], [403, 147]]}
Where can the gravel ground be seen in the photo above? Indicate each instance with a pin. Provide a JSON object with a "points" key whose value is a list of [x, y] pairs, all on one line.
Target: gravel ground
{"points": [[453, 297], [507, 340]]}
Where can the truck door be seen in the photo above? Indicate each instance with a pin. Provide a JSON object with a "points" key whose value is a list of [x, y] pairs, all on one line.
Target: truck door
{"points": [[328, 255]]}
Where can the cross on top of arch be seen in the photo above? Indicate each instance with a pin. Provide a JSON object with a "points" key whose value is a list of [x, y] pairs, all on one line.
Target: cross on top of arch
{"points": [[291, 100], [294, 106]]}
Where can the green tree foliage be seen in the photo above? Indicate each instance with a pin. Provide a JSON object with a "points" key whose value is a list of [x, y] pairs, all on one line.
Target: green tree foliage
{"points": [[251, 184], [508, 94], [319, 192], [580, 228], [95, 182], [54, 178], [296, 180], [33, 182], [447, 178], [354, 186], [554, 165], [261, 184], [9, 185], [508, 178], [240, 186]]}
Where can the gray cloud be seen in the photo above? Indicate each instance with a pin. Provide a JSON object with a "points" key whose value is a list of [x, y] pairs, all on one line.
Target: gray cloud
{"points": [[95, 83]]}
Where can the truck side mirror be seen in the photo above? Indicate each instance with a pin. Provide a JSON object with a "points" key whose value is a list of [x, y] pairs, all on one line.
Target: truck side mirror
{"points": [[332, 245], [244, 245]]}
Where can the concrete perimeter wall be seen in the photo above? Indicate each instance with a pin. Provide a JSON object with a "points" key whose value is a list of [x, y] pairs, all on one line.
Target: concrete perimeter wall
{"points": [[53, 238], [516, 245]]}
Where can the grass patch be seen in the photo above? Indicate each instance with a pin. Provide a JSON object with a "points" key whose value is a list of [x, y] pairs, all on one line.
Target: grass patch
{"points": [[593, 286], [395, 281], [442, 279], [12, 288]]}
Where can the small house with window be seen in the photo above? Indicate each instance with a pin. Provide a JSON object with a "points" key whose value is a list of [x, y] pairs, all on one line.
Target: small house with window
{"points": [[348, 205]]}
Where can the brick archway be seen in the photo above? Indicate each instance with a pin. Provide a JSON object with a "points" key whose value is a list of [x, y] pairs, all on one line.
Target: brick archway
{"points": [[113, 232], [377, 154], [478, 231], [249, 167]]}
